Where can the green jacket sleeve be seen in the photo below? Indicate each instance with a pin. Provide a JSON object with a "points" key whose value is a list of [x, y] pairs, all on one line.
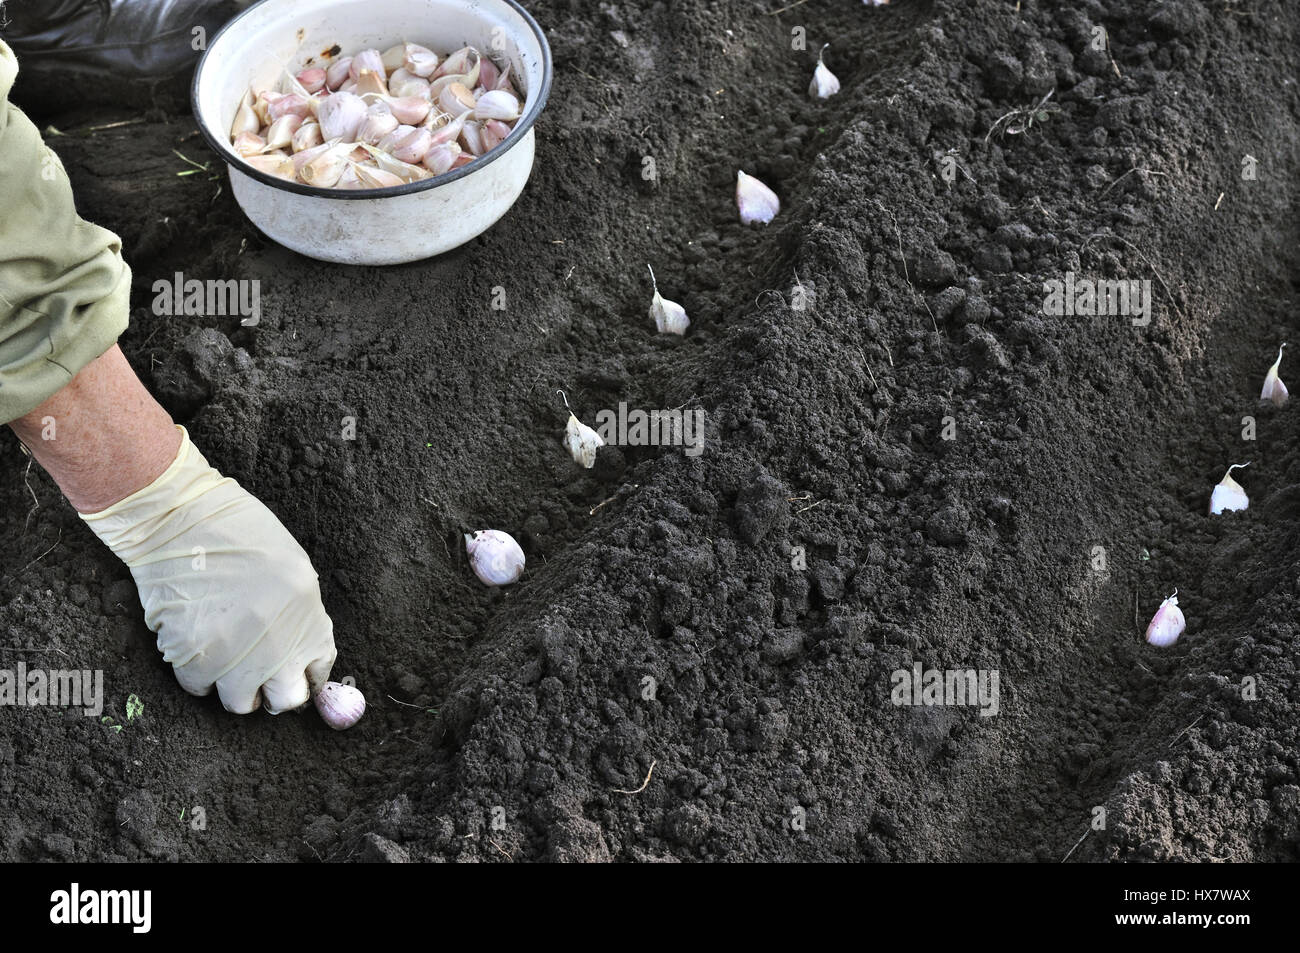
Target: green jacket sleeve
{"points": [[64, 288]]}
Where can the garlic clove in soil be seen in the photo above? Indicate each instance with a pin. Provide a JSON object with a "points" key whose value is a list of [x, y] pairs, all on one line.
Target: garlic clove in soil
{"points": [[757, 203], [824, 83], [1167, 624], [1228, 496], [582, 442], [1274, 389], [494, 556], [669, 316], [341, 706]]}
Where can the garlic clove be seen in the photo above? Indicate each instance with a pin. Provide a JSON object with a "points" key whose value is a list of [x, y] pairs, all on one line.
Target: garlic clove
{"points": [[409, 109], [370, 83], [1228, 496], [341, 706], [824, 83], [488, 73], [420, 60], [249, 144], [307, 136], [669, 316], [494, 556], [349, 180], [379, 122], [246, 118], [307, 155], [394, 58], [442, 157], [472, 137], [494, 133], [371, 60], [1274, 389], [404, 170], [462, 160], [280, 135], [312, 80], [451, 131], [463, 63], [337, 73], [757, 203], [376, 178], [414, 146], [497, 104], [326, 169], [340, 116], [1167, 624], [456, 98], [402, 83], [262, 104], [390, 140], [582, 442], [279, 166], [503, 82]]}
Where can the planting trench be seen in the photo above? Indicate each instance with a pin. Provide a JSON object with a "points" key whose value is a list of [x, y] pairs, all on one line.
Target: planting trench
{"points": [[510, 723]]}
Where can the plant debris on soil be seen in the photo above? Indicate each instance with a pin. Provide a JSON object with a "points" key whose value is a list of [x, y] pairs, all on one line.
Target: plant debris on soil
{"points": [[914, 466]]}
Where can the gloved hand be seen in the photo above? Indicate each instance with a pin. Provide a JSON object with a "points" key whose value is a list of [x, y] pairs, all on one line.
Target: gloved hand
{"points": [[231, 594]]}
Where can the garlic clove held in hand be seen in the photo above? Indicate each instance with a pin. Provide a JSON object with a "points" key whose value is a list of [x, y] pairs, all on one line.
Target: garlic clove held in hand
{"points": [[582, 442], [757, 203], [669, 316], [1274, 389], [824, 83], [494, 556], [341, 706], [1167, 624], [1228, 494]]}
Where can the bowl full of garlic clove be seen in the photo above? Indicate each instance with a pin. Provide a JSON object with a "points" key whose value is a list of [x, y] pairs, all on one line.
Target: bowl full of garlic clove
{"points": [[374, 132]]}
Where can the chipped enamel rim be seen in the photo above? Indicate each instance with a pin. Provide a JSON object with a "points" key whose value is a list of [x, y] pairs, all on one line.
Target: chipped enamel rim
{"points": [[533, 106]]}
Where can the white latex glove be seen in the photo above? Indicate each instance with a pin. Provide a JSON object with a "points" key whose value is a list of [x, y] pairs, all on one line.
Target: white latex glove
{"points": [[232, 596]]}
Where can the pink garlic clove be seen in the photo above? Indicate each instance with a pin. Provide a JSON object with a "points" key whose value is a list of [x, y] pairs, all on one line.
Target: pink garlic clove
{"points": [[414, 146], [442, 157], [1167, 624], [488, 74], [338, 73], [312, 80], [341, 706]]}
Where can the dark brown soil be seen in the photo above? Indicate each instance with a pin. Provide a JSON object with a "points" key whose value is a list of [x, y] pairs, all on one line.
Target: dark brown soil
{"points": [[511, 723]]}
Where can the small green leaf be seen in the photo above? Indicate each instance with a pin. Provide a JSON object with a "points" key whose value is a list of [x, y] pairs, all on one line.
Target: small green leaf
{"points": [[134, 707]]}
